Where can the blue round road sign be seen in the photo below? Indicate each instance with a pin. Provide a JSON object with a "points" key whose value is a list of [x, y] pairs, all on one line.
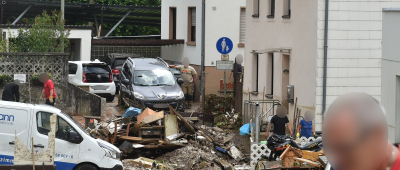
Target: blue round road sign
{"points": [[224, 45]]}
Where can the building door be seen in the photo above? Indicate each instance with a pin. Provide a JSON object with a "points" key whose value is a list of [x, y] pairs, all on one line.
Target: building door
{"points": [[285, 79]]}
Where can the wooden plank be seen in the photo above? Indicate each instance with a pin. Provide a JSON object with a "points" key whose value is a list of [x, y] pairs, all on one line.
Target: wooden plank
{"points": [[316, 164], [285, 152], [191, 118], [171, 125], [115, 132], [130, 138], [323, 164], [173, 111], [27, 167], [127, 129], [146, 112], [154, 117], [313, 156]]}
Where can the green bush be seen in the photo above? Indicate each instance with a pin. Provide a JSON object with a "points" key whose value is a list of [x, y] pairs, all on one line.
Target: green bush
{"points": [[4, 78]]}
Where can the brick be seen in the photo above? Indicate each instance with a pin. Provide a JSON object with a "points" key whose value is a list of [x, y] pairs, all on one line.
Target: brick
{"points": [[332, 81], [358, 35], [375, 35], [357, 15], [374, 90], [374, 72], [375, 16], [337, 35], [358, 53]]}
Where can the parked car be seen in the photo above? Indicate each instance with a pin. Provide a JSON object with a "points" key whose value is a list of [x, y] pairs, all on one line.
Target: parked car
{"points": [[150, 83], [74, 147], [116, 60], [96, 75]]}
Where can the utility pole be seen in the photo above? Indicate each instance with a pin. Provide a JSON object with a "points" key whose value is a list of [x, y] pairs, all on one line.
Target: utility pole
{"points": [[203, 75], [62, 9]]}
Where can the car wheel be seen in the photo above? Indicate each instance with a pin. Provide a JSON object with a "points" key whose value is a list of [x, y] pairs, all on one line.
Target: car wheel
{"points": [[110, 99], [85, 167]]}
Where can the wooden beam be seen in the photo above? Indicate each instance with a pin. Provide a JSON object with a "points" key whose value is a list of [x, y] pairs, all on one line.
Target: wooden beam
{"points": [[316, 164]]}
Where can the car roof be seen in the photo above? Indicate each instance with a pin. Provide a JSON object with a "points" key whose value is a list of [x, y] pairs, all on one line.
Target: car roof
{"points": [[43, 107], [149, 64]]}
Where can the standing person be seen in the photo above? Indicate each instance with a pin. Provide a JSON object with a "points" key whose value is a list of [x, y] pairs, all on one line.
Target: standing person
{"points": [[189, 76], [280, 121], [11, 92], [355, 135], [306, 125], [48, 89]]}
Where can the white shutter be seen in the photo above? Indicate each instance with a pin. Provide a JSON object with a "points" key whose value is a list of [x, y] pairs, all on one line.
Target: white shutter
{"points": [[193, 16], [242, 25]]}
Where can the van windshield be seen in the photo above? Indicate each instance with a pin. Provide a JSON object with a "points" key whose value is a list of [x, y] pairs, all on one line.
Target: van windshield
{"points": [[153, 78], [74, 121]]}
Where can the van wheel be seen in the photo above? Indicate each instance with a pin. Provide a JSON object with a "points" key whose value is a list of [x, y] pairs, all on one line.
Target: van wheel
{"points": [[110, 99], [85, 167]]}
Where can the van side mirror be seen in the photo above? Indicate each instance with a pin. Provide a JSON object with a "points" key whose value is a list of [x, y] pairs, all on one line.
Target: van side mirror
{"points": [[125, 81], [74, 137], [180, 81]]}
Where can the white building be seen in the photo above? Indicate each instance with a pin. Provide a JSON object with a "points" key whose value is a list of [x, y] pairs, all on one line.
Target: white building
{"points": [[181, 19], [354, 58], [80, 39]]}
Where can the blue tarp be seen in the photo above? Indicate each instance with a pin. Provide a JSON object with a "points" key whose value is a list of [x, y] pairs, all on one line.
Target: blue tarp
{"points": [[245, 129], [132, 112]]}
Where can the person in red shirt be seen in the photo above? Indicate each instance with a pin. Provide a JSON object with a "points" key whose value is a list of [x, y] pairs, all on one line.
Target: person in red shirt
{"points": [[355, 135], [48, 89]]}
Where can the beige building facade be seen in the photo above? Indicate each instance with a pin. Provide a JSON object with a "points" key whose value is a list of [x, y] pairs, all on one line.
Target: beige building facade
{"points": [[280, 39]]}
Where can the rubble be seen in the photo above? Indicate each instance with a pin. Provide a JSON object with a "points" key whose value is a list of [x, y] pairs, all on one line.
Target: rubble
{"points": [[176, 140]]}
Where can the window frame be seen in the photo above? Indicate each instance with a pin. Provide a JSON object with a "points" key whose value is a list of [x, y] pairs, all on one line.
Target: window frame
{"points": [[287, 13], [190, 27], [240, 27], [57, 125], [271, 9], [256, 15], [172, 23]]}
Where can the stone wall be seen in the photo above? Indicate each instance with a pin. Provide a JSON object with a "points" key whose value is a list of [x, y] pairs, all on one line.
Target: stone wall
{"points": [[70, 98]]}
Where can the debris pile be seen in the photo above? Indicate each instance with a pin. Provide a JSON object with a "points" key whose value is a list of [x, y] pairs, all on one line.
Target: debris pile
{"points": [[172, 140]]}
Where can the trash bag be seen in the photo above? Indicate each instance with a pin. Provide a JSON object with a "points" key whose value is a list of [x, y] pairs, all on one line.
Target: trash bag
{"points": [[245, 129], [132, 112]]}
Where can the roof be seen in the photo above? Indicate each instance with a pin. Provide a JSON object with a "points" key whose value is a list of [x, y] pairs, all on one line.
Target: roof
{"points": [[287, 150], [149, 64], [130, 42], [27, 105], [85, 12], [391, 9], [28, 26]]}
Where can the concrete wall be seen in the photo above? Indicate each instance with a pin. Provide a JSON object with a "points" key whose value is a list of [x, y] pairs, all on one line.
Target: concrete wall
{"points": [[298, 33], [390, 71], [354, 48]]}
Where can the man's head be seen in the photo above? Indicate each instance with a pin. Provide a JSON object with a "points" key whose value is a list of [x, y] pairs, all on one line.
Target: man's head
{"points": [[16, 82], [281, 111], [355, 132], [186, 62], [43, 77]]}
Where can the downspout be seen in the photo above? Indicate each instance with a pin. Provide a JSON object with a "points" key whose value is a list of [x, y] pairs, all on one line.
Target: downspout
{"points": [[325, 58], [203, 43]]}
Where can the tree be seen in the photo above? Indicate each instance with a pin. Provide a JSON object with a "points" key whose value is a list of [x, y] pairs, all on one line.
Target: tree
{"points": [[46, 35]]}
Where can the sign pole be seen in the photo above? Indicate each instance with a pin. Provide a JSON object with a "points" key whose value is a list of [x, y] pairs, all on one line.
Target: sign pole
{"points": [[224, 83]]}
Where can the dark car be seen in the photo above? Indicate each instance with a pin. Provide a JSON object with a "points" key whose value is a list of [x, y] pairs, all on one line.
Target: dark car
{"points": [[116, 60], [150, 83]]}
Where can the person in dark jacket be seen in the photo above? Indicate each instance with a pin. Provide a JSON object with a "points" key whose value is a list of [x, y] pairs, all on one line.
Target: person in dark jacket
{"points": [[11, 92]]}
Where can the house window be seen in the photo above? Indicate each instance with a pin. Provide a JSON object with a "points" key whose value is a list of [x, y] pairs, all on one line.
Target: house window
{"points": [[271, 9], [256, 8], [191, 26], [242, 27], [270, 74], [172, 23], [286, 9]]}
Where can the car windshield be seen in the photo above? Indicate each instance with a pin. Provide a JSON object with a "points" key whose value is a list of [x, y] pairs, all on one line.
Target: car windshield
{"points": [[119, 61], [74, 121], [94, 68], [154, 78]]}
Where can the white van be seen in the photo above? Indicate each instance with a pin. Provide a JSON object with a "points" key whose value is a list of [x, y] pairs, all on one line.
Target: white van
{"points": [[74, 148], [94, 74]]}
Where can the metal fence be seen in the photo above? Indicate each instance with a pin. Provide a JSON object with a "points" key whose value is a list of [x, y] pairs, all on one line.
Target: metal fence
{"points": [[99, 52], [36, 63], [254, 110]]}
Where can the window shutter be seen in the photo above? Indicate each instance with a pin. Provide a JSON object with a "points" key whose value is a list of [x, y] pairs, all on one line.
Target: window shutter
{"points": [[193, 16], [242, 25]]}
